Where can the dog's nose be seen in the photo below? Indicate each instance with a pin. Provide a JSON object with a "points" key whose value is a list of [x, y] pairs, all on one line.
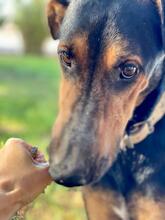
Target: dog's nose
{"points": [[68, 177]]}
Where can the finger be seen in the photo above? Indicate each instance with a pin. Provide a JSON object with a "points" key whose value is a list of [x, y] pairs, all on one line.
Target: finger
{"points": [[26, 155], [47, 179], [42, 176], [17, 142], [41, 165], [33, 152], [40, 158]]}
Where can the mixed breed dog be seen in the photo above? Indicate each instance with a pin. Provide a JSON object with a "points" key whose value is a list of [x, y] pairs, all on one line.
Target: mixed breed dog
{"points": [[110, 132]]}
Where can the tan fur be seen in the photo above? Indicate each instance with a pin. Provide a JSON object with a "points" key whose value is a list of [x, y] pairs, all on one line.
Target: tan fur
{"points": [[112, 53], [160, 8], [81, 49], [69, 93], [101, 204], [147, 208]]}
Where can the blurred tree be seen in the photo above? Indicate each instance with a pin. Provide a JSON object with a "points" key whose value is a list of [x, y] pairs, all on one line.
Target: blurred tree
{"points": [[2, 18], [30, 19]]}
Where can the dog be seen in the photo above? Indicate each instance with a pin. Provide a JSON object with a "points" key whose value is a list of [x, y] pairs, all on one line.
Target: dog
{"points": [[109, 134]]}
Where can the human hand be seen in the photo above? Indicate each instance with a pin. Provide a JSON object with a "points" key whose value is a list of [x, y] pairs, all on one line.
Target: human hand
{"points": [[21, 176]]}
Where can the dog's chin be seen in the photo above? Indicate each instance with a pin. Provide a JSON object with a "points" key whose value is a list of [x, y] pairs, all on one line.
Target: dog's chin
{"points": [[80, 181], [73, 183]]}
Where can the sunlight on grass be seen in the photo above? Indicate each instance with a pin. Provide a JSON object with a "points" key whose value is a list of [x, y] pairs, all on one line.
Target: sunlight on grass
{"points": [[63, 204], [9, 125], [3, 90]]}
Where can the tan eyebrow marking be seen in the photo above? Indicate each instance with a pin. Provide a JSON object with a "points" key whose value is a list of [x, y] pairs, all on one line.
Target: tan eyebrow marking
{"points": [[160, 8], [112, 53], [79, 46]]}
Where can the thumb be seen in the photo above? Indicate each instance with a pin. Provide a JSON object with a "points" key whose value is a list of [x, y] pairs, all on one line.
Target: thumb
{"points": [[43, 175]]}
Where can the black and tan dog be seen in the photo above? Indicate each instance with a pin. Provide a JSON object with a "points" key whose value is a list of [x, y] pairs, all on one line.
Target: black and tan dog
{"points": [[112, 55]]}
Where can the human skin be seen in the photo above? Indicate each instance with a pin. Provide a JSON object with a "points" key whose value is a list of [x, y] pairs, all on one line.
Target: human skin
{"points": [[22, 178]]}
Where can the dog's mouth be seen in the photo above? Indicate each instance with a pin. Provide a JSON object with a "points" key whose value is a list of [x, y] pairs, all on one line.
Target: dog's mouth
{"points": [[75, 180], [81, 173], [80, 163]]}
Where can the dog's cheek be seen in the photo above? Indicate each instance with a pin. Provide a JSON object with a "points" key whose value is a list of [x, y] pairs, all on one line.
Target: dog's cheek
{"points": [[69, 93], [113, 121]]}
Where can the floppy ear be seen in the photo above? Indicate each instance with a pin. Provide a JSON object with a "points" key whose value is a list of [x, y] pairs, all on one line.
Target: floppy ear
{"points": [[56, 13]]}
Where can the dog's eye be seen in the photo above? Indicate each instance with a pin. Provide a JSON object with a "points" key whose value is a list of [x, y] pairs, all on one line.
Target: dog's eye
{"points": [[66, 58], [128, 70]]}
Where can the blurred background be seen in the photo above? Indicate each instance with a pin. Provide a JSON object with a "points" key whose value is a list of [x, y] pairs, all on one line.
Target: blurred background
{"points": [[29, 82]]}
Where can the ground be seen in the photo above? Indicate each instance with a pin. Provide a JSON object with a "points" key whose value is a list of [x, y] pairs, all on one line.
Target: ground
{"points": [[28, 107]]}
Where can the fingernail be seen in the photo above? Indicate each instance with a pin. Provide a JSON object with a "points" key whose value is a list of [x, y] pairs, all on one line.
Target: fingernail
{"points": [[42, 165], [34, 151]]}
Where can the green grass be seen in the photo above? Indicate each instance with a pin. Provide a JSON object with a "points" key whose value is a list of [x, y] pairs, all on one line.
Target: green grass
{"points": [[28, 107]]}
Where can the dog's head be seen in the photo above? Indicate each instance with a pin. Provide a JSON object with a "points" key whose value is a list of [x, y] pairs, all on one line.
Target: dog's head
{"points": [[109, 51]]}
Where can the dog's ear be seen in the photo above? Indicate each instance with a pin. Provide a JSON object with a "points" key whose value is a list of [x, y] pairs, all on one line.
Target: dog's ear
{"points": [[56, 12]]}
